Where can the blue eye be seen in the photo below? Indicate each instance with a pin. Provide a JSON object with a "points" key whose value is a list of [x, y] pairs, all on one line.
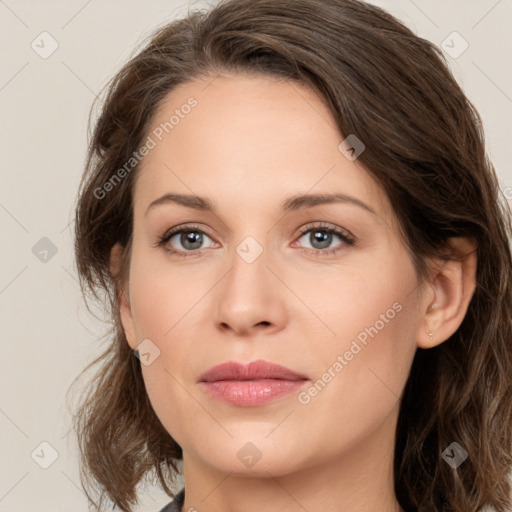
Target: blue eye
{"points": [[322, 236], [191, 239]]}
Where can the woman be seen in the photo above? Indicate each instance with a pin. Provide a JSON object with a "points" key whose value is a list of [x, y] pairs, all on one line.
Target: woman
{"points": [[306, 254]]}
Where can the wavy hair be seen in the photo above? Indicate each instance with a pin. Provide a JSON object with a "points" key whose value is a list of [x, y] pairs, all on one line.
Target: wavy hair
{"points": [[424, 146]]}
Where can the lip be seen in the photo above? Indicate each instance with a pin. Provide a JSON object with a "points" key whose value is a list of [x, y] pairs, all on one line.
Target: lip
{"points": [[253, 370], [255, 383]]}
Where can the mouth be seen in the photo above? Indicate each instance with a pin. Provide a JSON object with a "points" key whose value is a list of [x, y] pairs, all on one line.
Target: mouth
{"points": [[254, 370], [249, 385]]}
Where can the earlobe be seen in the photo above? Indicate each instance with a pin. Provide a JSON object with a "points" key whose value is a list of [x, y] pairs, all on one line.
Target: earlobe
{"points": [[453, 286], [121, 287]]}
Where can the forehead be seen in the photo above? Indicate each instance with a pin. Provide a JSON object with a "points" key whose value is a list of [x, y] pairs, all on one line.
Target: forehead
{"points": [[248, 141]]}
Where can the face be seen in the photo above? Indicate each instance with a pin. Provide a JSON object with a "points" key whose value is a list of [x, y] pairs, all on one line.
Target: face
{"points": [[324, 288]]}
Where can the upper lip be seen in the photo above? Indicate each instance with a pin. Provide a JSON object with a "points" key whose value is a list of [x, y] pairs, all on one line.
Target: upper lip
{"points": [[259, 369]]}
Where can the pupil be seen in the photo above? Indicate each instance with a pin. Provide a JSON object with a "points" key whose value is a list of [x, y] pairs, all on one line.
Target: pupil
{"points": [[191, 237], [323, 238]]}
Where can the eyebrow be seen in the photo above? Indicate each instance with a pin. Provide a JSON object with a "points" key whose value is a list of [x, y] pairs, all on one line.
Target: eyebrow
{"points": [[297, 202]]}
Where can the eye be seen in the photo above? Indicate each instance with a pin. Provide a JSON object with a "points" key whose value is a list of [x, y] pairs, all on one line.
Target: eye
{"points": [[321, 236], [191, 239]]}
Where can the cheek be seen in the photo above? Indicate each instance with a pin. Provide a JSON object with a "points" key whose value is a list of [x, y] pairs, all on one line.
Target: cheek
{"points": [[161, 297], [372, 317], [161, 314], [360, 373], [371, 297]]}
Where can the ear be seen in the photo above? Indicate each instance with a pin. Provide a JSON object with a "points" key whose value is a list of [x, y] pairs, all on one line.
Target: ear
{"points": [[452, 287], [121, 286]]}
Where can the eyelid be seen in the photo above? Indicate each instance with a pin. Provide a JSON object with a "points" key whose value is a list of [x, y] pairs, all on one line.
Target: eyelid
{"points": [[184, 227], [321, 226], [163, 239], [347, 238]]}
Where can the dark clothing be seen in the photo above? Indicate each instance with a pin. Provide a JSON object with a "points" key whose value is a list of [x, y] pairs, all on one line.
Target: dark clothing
{"points": [[176, 504]]}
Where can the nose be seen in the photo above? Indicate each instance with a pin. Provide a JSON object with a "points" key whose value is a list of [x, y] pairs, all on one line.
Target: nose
{"points": [[250, 298]]}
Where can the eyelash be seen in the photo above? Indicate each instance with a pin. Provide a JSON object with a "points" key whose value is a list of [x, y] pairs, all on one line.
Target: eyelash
{"points": [[347, 239]]}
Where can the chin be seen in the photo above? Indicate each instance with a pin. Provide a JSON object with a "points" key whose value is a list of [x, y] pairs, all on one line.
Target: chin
{"points": [[254, 454], [263, 468]]}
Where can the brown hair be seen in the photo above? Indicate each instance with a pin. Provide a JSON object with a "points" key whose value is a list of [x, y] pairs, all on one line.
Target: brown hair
{"points": [[424, 146]]}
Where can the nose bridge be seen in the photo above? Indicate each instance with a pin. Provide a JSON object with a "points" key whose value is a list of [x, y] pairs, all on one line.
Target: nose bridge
{"points": [[247, 297], [251, 249], [249, 271]]}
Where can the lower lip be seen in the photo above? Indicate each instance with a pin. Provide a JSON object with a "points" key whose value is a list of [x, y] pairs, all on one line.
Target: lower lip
{"points": [[249, 393]]}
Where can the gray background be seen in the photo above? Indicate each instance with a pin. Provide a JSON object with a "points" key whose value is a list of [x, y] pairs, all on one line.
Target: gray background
{"points": [[47, 334]]}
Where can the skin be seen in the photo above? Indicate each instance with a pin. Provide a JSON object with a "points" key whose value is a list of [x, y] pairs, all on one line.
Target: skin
{"points": [[250, 143]]}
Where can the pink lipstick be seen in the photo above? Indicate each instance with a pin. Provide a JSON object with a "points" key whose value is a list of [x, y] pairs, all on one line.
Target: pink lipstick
{"points": [[252, 384]]}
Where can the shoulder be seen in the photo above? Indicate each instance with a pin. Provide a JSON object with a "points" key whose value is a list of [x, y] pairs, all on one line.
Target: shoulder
{"points": [[176, 504]]}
